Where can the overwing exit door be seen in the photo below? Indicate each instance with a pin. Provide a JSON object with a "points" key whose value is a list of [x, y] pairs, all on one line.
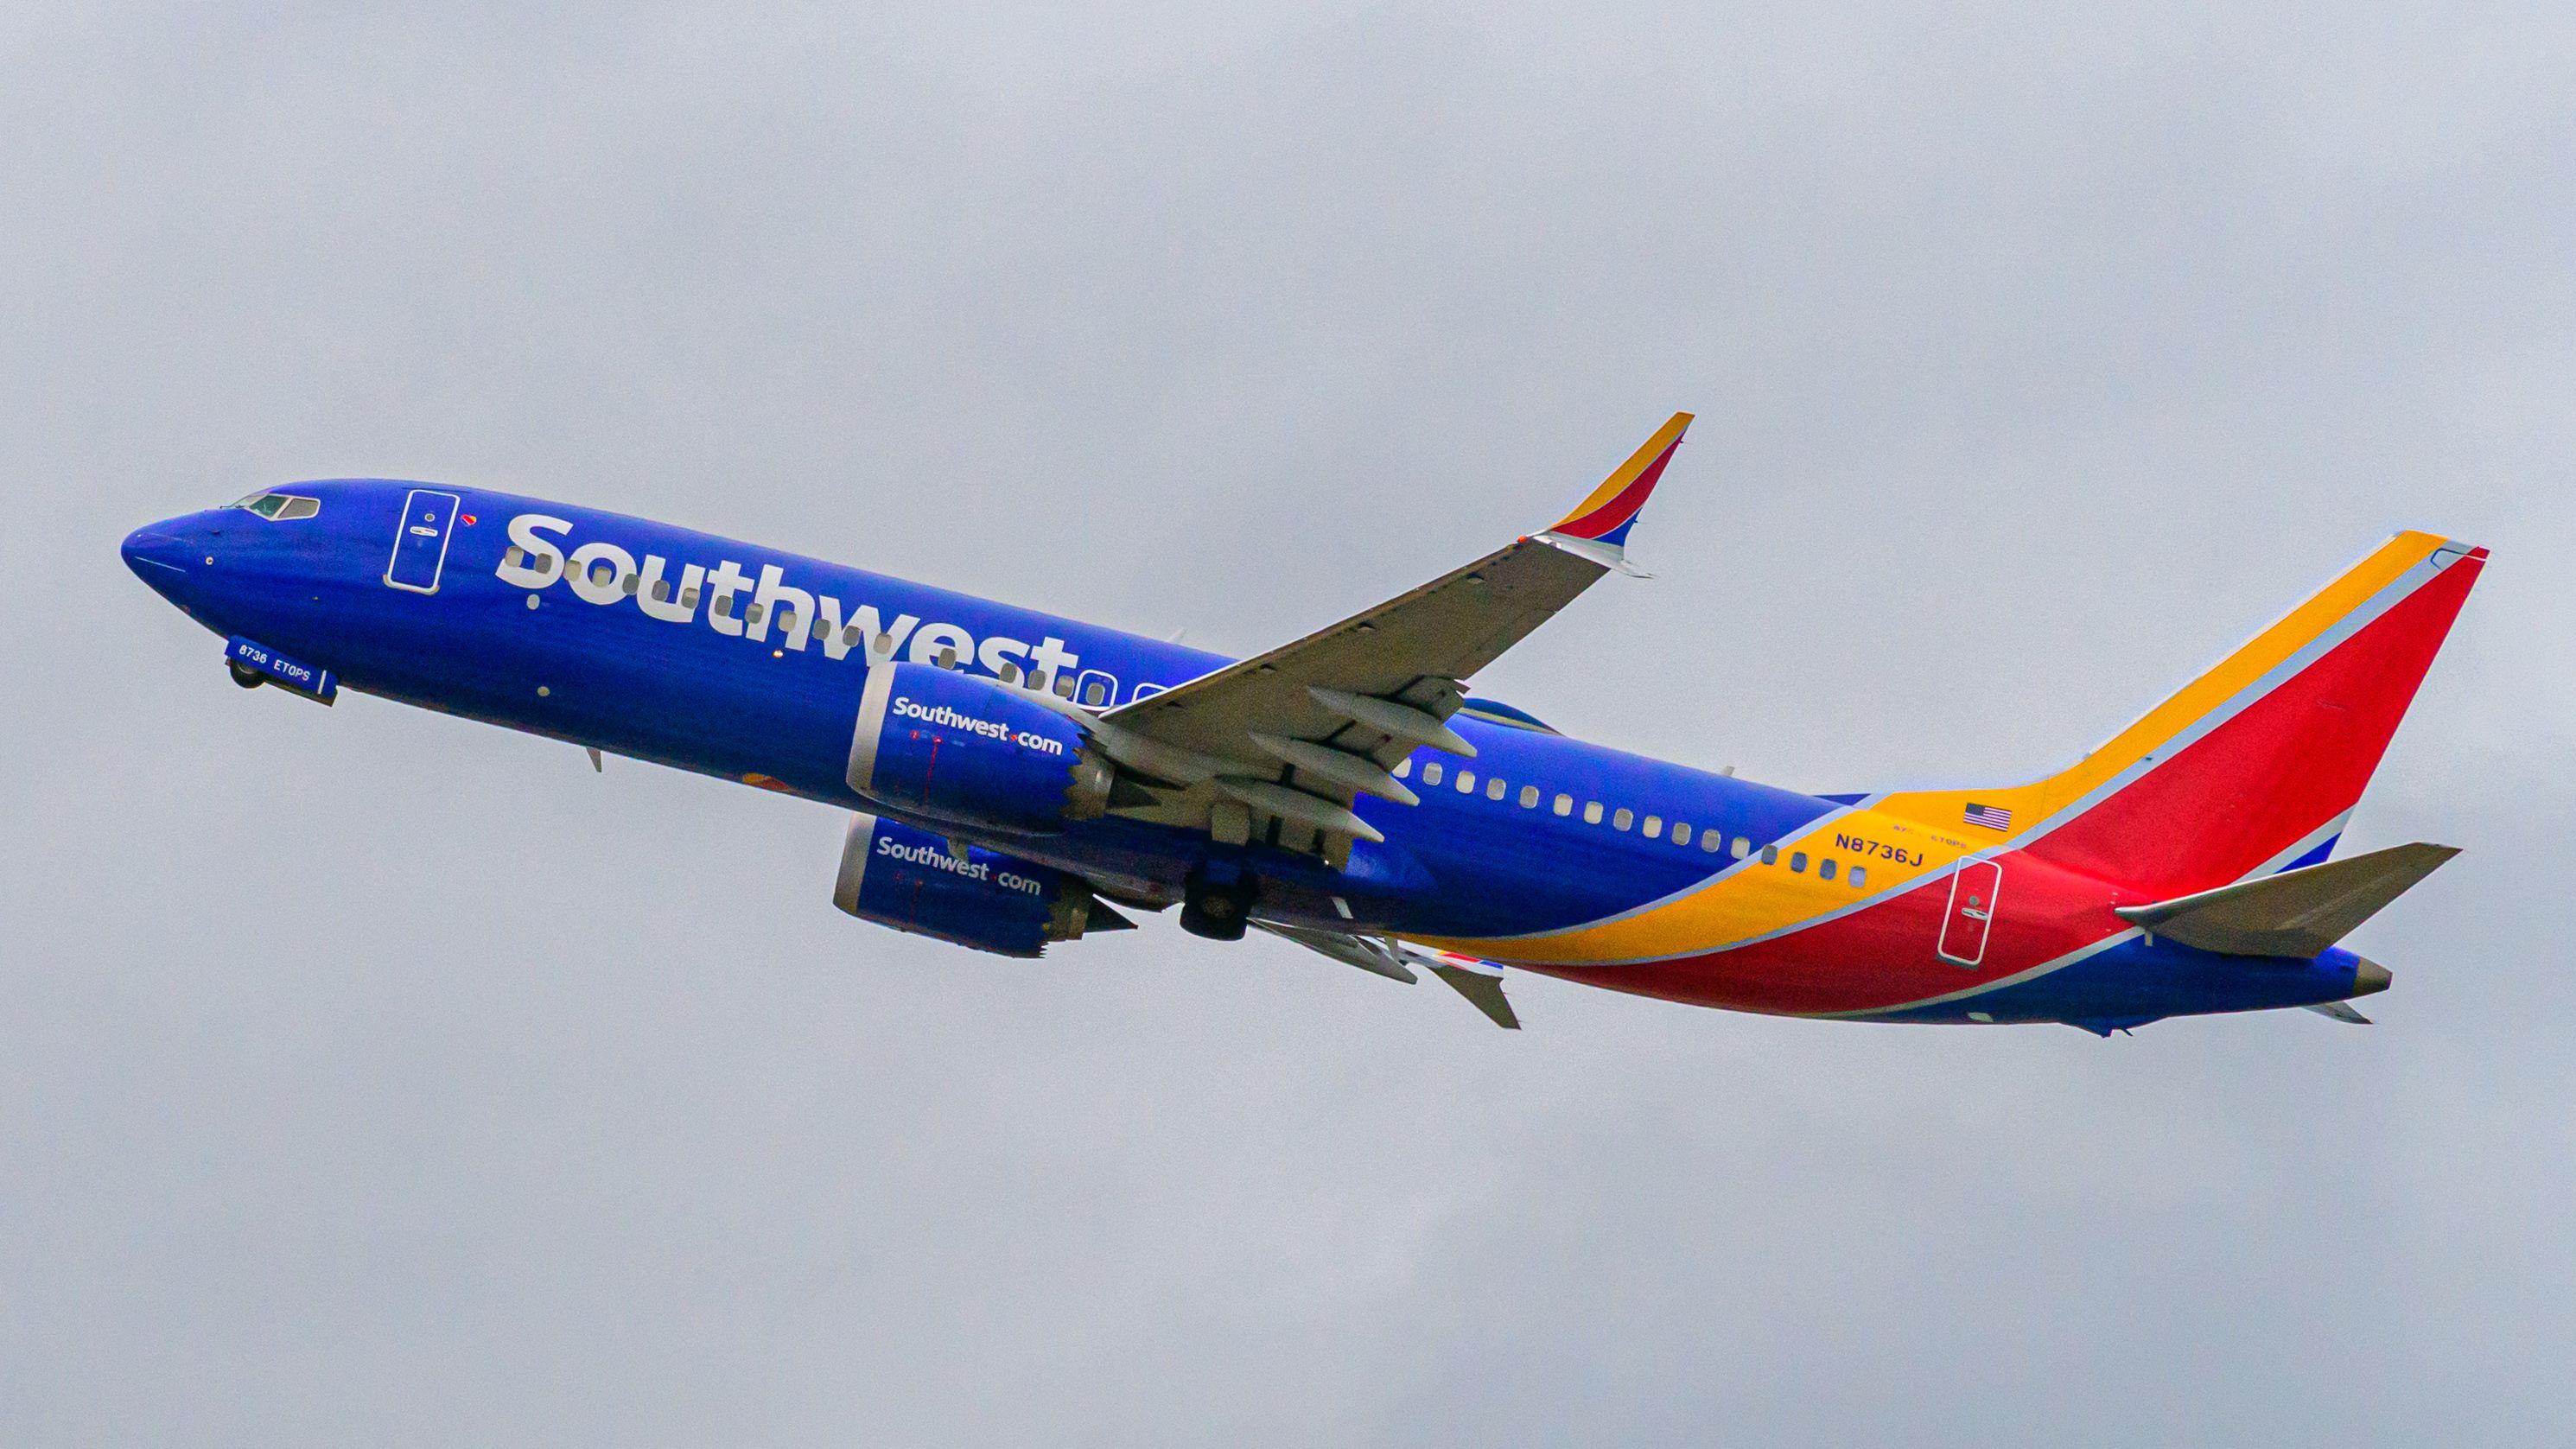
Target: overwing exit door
{"points": [[1973, 888], [420, 547]]}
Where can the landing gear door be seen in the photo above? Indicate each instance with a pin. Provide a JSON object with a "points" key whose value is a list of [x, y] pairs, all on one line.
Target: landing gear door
{"points": [[420, 547], [1971, 914]]}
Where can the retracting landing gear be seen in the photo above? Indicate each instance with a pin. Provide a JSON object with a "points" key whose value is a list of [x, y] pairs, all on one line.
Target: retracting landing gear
{"points": [[254, 664], [1217, 902]]}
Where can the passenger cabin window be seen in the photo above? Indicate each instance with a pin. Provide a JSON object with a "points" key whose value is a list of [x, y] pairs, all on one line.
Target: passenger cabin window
{"points": [[1529, 797], [1095, 694], [1404, 767], [1064, 686], [1742, 848], [1770, 855], [1625, 818], [1564, 805], [1797, 860], [1825, 868], [1431, 773], [1654, 827], [1859, 877], [1494, 788], [1592, 812], [1681, 833], [1712, 842], [1466, 782]]}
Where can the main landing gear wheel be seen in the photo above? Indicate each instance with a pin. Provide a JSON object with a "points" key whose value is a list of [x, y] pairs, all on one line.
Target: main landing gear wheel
{"points": [[1218, 910], [247, 677]]}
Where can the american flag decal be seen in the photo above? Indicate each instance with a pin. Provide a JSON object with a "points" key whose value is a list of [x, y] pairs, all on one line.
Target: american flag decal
{"points": [[1993, 817]]}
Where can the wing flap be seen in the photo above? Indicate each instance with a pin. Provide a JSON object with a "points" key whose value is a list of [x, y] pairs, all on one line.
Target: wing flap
{"points": [[1366, 952], [1481, 982], [1482, 988]]}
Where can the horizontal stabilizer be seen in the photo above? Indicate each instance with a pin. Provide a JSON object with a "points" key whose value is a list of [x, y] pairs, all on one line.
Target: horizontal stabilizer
{"points": [[2295, 913], [2340, 1011]]}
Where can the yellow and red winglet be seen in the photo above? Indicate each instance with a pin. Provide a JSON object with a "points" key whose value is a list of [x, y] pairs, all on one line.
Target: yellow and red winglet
{"points": [[1603, 519]]}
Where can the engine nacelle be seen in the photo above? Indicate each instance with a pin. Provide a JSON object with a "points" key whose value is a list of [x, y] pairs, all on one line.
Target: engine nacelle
{"points": [[897, 876], [960, 747]]}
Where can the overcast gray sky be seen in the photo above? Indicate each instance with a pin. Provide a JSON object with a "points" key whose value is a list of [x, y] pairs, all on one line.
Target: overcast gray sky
{"points": [[368, 1076]]}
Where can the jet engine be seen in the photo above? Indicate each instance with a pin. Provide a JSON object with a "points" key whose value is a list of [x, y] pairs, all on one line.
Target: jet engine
{"points": [[960, 747], [914, 881]]}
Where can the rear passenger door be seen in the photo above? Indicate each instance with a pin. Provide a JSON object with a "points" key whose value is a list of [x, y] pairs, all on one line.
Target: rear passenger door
{"points": [[1973, 888]]}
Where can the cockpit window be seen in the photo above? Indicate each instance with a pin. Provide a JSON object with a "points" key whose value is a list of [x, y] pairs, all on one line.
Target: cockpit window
{"points": [[279, 506]]}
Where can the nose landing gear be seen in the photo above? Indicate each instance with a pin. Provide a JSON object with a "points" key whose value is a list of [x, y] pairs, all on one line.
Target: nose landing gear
{"points": [[255, 664], [1217, 901]]}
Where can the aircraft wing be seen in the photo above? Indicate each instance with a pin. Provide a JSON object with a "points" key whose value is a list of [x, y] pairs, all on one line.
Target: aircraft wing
{"points": [[1279, 745]]}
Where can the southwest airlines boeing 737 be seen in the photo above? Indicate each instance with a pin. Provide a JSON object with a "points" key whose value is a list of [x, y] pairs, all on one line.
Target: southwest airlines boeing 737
{"points": [[1014, 779]]}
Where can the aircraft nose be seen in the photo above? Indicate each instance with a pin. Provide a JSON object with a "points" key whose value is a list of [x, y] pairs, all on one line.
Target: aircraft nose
{"points": [[156, 548], [165, 556], [2369, 976]]}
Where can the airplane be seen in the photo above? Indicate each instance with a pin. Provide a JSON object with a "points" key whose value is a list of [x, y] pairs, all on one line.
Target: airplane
{"points": [[1015, 780]]}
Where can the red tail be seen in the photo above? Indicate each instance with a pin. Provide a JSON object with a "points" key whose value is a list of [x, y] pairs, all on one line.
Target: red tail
{"points": [[2256, 763]]}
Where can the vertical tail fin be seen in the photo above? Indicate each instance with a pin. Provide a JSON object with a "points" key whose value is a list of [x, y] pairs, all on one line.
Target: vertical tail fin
{"points": [[2254, 765]]}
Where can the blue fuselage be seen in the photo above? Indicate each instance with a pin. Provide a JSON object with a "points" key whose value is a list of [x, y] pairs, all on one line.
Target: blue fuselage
{"points": [[766, 691]]}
